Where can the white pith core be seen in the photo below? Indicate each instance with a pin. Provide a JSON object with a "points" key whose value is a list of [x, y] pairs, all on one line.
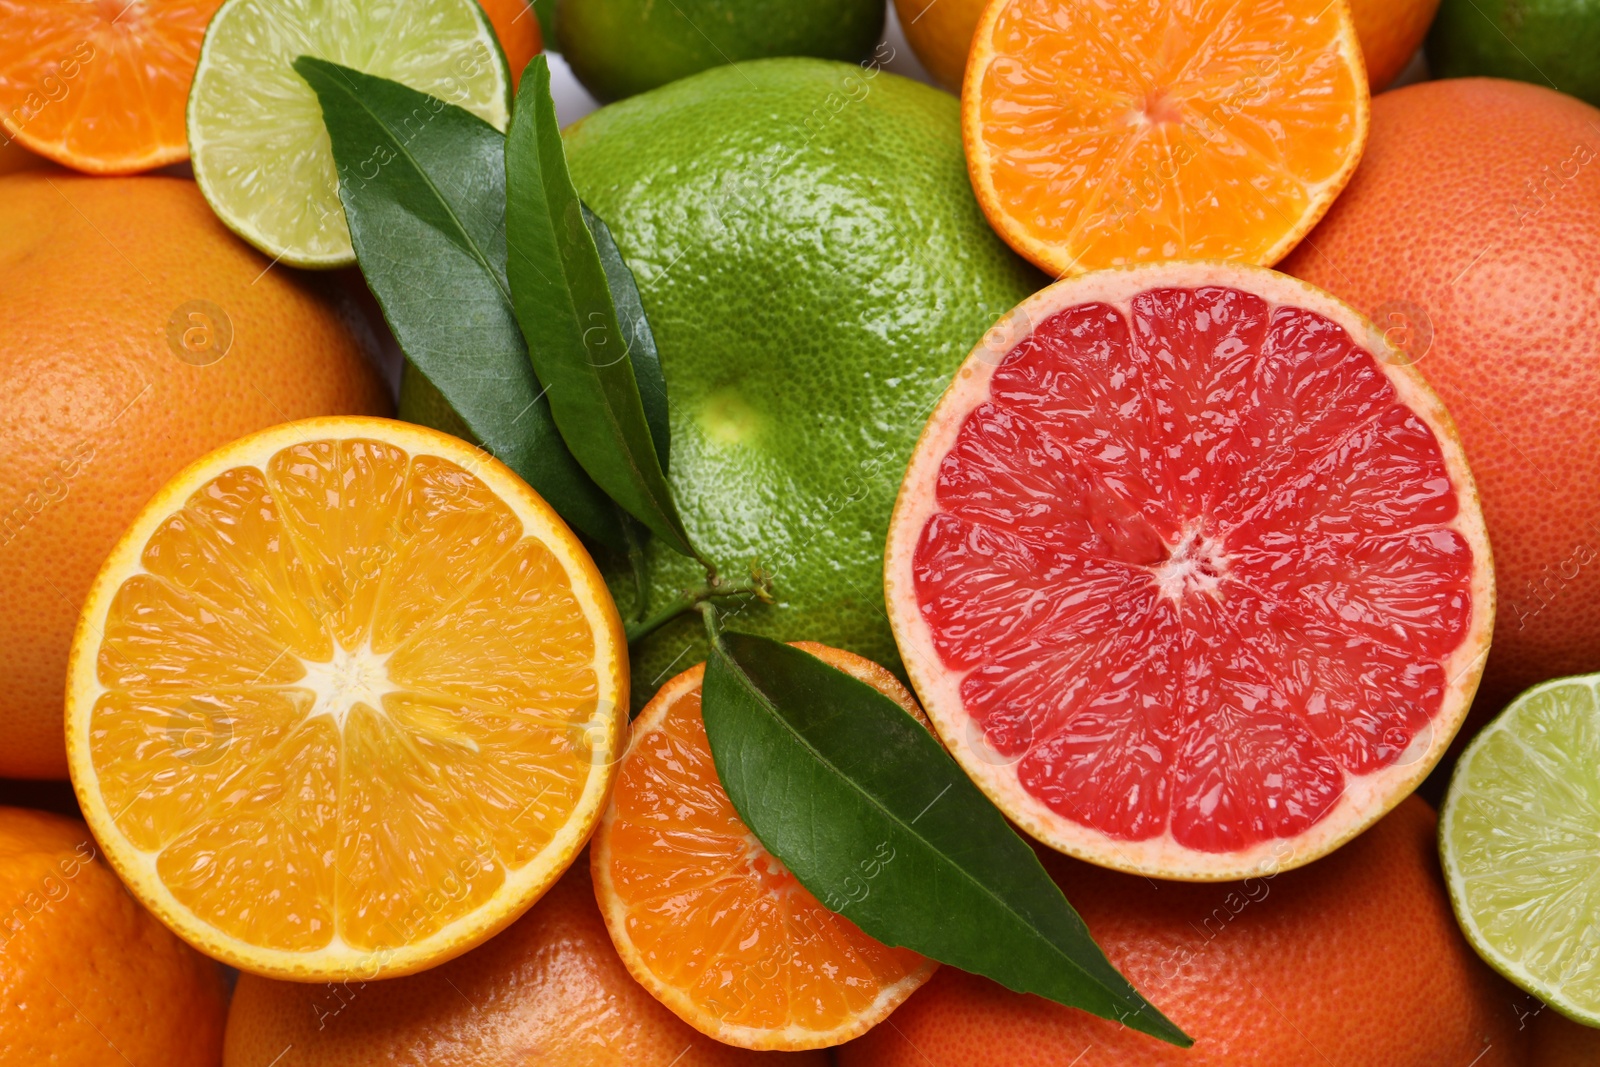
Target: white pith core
{"points": [[351, 677], [1196, 564]]}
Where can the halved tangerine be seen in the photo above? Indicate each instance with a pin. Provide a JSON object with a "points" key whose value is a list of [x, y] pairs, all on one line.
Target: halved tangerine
{"points": [[1104, 133], [344, 700], [100, 85], [712, 923], [1189, 571]]}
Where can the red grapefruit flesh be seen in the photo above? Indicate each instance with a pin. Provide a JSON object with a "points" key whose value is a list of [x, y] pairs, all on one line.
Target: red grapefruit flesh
{"points": [[1189, 572]]}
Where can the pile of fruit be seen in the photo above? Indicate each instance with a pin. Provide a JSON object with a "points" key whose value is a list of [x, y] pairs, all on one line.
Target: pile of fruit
{"points": [[1092, 566]]}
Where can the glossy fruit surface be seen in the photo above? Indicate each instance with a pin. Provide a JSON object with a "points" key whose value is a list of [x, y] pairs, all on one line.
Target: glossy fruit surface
{"points": [[1391, 31], [940, 33], [621, 47], [550, 991], [1471, 236], [1103, 135], [100, 87], [345, 700], [89, 977], [710, 921], [1352, 962], [140, 334], [792, 418], [1188, 571], [1545, 42]]}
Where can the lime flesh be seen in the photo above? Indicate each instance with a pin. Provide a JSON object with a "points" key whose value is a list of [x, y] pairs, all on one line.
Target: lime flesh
{"points": [[1520, 841], [260, 151]]}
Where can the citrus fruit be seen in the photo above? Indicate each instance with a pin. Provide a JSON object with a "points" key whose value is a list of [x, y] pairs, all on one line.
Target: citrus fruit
{"points": [[345, 700], [139, 335], [1546, 42], [621, 47], [90, 977], [1471, 236], [711, 922], [940, 33], [1351, 963], [517, 29], [1516, 835], [260, 150], [1391, 31], [550, 990], [100, 86], [1556, 1041], [1189, 573], [1102, 135], [812, 279]]}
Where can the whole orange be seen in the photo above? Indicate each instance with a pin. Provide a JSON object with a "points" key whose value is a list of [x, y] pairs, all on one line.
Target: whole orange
{"points": [[1471, 232], [550, 990], [518, 30], [139, 335], [87, 976], [1391, 31], [1351, 962]]}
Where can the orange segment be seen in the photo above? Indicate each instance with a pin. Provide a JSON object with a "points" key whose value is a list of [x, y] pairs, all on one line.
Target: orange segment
{"points": [[100, 85], [1110, 133], [708, 920], [344, 699]]}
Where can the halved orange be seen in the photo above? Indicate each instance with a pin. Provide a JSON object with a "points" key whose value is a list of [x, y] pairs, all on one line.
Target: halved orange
{"points": [[707, 919], [344, 700], [100, 85], [1103, 133]]}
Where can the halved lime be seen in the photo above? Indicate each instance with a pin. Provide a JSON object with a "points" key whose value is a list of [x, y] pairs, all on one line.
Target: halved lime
{"points": [[261, 154], [1520, 840]]}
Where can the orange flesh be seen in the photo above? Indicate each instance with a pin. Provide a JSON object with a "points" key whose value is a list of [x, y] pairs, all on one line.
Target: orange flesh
{"points": [[1109, 133], [341, 701], [100, 85], [712, 916]]}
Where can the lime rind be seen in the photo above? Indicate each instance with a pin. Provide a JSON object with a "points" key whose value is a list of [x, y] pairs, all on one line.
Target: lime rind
{"points": [[261, 154], [1519, 838]]}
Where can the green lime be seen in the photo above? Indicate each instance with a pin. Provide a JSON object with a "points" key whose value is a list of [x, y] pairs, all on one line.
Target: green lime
{"points": [[621, 47], [815, 268], [1519, 836], [260, 151], [1547, 42]]}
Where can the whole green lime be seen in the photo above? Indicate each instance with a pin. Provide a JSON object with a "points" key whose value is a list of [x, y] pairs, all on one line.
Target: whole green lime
{"points": [[621, 47], [1547, 42], [815, 268]]}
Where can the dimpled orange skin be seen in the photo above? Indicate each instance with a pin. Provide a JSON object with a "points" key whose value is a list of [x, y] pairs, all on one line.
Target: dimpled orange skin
{"points": [[1478, 205], [550, 990], [1353, 961], [87, 976], [1391, 31], [97, 411]]}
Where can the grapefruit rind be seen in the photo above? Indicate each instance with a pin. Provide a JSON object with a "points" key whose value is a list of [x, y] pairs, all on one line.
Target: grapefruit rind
{"points": [[522, 886], [1516, 841], [614, 909], [1365, 799], [1062, 261]]}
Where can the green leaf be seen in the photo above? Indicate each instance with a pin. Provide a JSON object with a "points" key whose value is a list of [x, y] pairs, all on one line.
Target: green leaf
{"points": [[861, 803], [636, 336], [423, 187], [563, 301]]}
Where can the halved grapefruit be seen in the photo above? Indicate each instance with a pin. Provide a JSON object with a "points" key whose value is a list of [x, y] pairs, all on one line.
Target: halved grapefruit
{"points": [[1189, 571]]}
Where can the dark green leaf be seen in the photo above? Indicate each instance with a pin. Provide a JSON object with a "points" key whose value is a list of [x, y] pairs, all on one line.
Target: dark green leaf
{"points": [[563, 301], [423, 187], [869, 812], [636, 335]]}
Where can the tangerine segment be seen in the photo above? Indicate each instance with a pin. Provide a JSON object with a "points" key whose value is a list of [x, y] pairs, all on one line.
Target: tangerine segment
{"points": [[1105, 133], [100, 86], [708, 920], [344, 700], [1190, 579]]}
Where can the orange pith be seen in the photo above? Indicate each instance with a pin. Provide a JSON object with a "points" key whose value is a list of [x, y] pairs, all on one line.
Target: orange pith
{"points": [[1106, 133], [708, 920], [100, 86], [343, 700]]}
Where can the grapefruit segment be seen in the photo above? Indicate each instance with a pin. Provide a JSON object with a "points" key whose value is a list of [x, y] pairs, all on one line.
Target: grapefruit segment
{"points": [[710, 922], [1190, 577]]}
